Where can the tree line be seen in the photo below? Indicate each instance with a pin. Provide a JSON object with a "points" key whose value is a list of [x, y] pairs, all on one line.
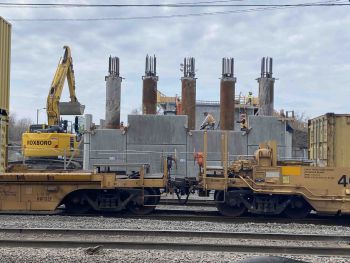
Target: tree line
{"points": [[17, 126]]}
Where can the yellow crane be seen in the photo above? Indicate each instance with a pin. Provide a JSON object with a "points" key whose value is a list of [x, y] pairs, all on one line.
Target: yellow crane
{"points": [[54, 139]]}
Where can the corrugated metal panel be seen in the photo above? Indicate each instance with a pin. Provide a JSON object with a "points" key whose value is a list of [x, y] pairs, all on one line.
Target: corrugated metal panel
{"points": [[329, 140], [5, 50], [3, 143]]}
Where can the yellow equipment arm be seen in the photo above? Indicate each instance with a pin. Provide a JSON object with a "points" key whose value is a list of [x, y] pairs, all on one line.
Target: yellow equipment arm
{"points": [[64, 70]]}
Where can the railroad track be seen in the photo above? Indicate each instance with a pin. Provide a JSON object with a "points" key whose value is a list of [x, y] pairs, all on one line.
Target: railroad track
{"points": [[202, 216], [327, 245], [215, 216]]}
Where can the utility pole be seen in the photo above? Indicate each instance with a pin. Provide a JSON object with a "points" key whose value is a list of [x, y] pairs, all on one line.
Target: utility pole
{"points": [[37, 114]]}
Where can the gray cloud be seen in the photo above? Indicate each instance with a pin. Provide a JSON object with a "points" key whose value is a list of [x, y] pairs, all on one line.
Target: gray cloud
{"points": [[310, 47]]}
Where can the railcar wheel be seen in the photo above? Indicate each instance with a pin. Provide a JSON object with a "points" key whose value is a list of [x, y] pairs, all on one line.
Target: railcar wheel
{"points": [[232, 206], [297, 209], [146, 205], [75, 205]]}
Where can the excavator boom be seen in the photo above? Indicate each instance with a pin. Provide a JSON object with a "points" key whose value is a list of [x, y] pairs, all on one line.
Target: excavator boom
{"points": [[53, 107]]}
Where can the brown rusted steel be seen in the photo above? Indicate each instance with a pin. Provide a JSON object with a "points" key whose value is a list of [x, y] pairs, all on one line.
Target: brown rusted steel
{"points": [[227, 103], [149, 95], [149, 92], [188, 94]]}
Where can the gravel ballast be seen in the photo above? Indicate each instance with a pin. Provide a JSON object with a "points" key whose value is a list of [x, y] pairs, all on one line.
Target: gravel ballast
{"points": [[96, 222], [8, 254], [30, 255]]}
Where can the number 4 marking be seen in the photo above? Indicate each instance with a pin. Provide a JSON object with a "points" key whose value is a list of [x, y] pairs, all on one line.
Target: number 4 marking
{"points": [[343, 180]]}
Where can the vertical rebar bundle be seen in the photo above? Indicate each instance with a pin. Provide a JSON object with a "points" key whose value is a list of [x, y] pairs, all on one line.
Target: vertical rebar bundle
{"points": [[228, 67], [266, 67], [188, 91], [149, 92], [266, 88], [113, 66], [227, 95], [113, 94], [151, 66], [189, 67]]}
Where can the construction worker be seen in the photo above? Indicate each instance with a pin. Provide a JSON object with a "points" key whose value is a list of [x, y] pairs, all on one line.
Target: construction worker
{"points": [[209, 122], [250, 98], [178, 106], [243, 122], [123, 127]]}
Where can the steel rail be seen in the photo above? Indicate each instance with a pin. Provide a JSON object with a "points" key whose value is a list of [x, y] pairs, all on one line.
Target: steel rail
{"points": [[278, 250], [330, 248], [179, 233]]}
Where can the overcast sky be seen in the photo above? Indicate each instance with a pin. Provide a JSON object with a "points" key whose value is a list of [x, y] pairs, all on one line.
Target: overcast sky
{"points": [[310, 47]]}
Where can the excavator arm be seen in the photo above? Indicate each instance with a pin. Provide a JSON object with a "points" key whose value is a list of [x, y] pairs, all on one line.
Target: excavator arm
{"points": [[64, 70]]}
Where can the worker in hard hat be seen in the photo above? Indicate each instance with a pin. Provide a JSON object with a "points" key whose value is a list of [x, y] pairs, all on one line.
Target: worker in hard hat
{"points": [[209, 122], [250, 98]]}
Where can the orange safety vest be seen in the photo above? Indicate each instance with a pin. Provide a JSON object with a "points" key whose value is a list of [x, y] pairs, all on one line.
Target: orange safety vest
{"points": [[199, 158]]}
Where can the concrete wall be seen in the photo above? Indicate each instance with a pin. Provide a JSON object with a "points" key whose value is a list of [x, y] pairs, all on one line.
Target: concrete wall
{"points": [[237, 146], [150, 138], [156, 129], [214, 109], [107, 146], [155, 154], [265, 128]]}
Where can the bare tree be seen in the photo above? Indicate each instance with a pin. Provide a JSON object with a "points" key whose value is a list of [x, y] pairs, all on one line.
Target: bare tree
{"points": [[301, 120], [17, 127]]}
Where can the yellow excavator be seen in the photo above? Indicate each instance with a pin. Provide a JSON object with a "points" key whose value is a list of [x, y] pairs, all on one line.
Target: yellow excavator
{"points": [[54, 139]]}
